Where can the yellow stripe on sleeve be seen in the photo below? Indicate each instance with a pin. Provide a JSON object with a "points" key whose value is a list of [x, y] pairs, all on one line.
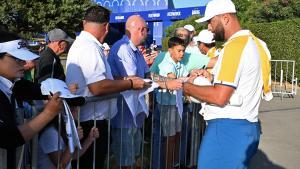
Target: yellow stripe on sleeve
{"points": [[231, 58], [265, 65]]}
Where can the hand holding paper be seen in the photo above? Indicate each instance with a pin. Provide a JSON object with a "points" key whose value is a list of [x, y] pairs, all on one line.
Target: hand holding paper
{"points": [[135, 99], [52, 85]]}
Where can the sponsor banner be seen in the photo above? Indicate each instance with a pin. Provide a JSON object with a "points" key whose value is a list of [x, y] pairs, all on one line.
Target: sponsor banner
{"points": [[160, 15], [123, 6]]}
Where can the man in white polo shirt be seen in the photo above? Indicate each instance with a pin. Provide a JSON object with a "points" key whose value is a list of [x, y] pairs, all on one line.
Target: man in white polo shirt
{"points": [[88, 68], [232, 134]]}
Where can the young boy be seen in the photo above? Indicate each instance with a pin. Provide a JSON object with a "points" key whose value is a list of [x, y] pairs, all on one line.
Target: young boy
{"points": [[171, 68]]}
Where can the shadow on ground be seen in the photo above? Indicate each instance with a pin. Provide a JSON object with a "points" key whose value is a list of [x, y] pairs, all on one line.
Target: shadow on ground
{"points": [[261, 161]]}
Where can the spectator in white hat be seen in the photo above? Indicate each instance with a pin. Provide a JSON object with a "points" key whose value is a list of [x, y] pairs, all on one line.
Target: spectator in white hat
{"points": [[191, 29], [191, 45], [13, 54], [232, 134], [206, 43]]}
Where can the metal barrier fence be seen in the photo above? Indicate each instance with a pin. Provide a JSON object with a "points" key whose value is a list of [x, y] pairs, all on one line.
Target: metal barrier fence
{"points": [[163, 143], [284, 81], [157, 150]]}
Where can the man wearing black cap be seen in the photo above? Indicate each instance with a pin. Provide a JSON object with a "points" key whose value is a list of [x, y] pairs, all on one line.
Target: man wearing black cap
{"points": [[88, 68], [49, 64]]}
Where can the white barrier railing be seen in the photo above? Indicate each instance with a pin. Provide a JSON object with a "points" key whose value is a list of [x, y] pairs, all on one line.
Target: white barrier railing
{"points": [[284, 81]]}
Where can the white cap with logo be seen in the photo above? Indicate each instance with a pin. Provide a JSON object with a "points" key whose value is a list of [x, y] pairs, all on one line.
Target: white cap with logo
{"points": [[17, 48], [205, 36], [217, 7], [189, 28]]}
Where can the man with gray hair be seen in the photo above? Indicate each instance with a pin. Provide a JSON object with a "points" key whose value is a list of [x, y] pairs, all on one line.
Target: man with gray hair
{"points": [[49, 64], [191, 30]]}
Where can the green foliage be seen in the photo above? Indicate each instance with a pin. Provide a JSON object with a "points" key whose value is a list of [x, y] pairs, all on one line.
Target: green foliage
{"points": [[28, 17], [242, 7], [191, 20], [273, 10], [282, 38]]}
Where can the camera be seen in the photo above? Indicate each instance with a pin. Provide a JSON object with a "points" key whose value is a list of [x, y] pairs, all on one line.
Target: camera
{"points": [[152, 48], [148, 51]]}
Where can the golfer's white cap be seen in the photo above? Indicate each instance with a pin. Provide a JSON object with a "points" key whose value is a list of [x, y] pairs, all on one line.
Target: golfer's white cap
{"points": [[217, 7]]}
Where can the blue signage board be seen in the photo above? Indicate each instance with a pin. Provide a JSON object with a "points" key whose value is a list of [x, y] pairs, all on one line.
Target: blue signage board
{"points": [[159, 15], [176, 4], [121, 6], [153, 10]]}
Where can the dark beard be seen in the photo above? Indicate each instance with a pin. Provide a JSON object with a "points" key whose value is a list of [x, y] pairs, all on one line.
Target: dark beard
{"points": [[219, 33]]}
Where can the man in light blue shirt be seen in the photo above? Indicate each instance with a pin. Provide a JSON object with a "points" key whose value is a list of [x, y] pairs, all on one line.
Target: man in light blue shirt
{"points": [[127, 62]]}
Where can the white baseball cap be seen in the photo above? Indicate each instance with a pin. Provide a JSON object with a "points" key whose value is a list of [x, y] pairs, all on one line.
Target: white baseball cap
{"points": [[189, 28], [205, 36], [217, 7], [17, 48]]}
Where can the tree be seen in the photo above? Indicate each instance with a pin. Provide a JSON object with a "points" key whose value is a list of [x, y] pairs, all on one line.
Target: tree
{"points": [[28, 17], [242, 7], [273, 10], [191, 20]]}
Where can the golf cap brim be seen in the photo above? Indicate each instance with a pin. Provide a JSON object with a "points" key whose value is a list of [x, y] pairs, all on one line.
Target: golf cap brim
{"points": [[17, 48]]}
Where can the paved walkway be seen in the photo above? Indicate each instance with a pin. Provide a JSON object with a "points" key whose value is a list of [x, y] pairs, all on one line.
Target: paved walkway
{"points": [[280, 140]]}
